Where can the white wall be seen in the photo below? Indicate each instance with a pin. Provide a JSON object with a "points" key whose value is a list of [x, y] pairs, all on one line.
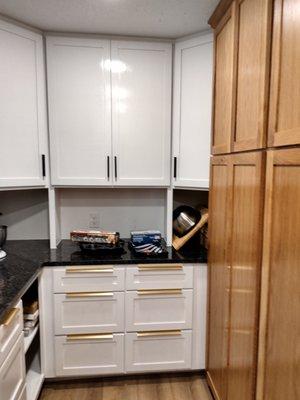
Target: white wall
{"points": [[26, 214], [120, 210]]}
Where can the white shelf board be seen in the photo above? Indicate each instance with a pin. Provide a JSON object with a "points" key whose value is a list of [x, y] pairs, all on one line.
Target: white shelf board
{"points": [[34, 382], [28, 339]]}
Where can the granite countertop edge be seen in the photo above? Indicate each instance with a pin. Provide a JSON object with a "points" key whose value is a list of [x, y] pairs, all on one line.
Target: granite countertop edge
{"points": [[26, 258]]}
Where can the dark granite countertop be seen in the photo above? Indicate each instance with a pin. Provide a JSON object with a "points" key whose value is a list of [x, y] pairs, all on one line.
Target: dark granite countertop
{"points": [[25, 258]]}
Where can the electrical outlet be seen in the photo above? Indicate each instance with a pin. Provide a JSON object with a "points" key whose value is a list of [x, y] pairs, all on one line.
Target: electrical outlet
{"points": [[94, 221]]}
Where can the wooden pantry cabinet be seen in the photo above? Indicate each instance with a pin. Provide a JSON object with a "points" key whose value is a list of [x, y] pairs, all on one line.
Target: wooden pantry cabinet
{"points": [[234, 273], [242, 48], [279, 355]]}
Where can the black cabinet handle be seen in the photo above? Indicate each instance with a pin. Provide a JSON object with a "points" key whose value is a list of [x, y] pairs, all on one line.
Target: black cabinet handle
{"points": [[108, 167], [43, 165], [175, 167], [116, 168]]}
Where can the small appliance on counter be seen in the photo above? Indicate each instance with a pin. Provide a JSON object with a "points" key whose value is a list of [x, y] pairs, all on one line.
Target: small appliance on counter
{"points": [[98, 242], [147, 243], [3, 235]]}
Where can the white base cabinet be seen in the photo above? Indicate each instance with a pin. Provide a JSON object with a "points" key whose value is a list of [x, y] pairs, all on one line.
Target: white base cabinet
{"points": [[152, 319], [12, 372], [158, 351]]}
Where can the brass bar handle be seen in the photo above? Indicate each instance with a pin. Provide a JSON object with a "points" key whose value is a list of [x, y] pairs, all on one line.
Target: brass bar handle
{"points": [[159, 333], [158, 292], [89, 294], [102, 336], [160, 267], [80, 270], [10, 316]]}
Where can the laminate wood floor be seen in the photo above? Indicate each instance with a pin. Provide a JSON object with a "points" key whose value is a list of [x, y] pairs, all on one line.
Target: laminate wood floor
{"points": [[155, 387]]}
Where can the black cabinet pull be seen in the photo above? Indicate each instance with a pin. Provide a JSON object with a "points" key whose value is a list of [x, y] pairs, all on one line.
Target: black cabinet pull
{"points": [[108, 167], [116, 168], [175, 167], [43, 165]]}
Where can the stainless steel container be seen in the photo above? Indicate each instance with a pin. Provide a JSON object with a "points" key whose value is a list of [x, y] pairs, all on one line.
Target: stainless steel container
{"points": [[184, 220]]}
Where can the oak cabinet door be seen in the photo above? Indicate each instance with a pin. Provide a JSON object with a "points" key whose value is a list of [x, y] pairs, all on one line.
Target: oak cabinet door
{"points": [[141, 112], [79, 110], [252, 78], [244, 260], [284, 119], [192, 111], [23, 115], [224, 81], [219, 276], [279, 355]]}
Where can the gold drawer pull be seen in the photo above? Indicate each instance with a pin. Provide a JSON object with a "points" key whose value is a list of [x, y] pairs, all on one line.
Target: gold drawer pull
{"points": [[10, 316], [159, 333], [90, 294], [160, 267], [91, 337], [158, 292], [80, 270]]}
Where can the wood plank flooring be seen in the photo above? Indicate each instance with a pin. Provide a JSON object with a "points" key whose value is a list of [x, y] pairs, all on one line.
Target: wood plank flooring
{"points": [[155, 387]]}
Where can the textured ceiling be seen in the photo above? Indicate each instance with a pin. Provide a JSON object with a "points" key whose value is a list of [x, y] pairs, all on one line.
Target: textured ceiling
{"points": [[152, 18]]}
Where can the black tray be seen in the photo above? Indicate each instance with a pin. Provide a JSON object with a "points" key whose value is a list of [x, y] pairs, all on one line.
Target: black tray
{"points": [[102, 249], [163, 254]]}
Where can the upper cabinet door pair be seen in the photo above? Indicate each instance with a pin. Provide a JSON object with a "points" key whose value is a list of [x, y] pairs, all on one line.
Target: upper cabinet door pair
{"points": [[242, 47], [109, 112]]}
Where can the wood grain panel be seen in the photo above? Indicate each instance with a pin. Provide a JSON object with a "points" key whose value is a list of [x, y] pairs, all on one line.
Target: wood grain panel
{"points": [[279, 353], [224, 90], [254, 38], [284, 120], [246, 200], [219, 277]]}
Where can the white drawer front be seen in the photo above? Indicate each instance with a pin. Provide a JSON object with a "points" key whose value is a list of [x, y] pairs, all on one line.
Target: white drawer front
{"points": [[89, 356], [10, 330], [158, 353], [89, 312], [12, 372], [160, 309], [159, 276], [88, 279]]}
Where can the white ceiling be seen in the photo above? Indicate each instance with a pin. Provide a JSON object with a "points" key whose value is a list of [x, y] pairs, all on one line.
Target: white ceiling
{"points": [[153, 18]]}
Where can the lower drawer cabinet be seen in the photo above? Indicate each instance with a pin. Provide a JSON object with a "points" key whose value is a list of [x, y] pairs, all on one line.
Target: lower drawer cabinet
{"points": [[158, 351], [81, 355], [12, 372], [89, 312], [10, 329], [159, 309]]}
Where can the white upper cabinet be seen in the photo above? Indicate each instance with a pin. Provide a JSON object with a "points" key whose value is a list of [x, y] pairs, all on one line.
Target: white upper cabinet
{"points": [[141, 112], [79, 111], [109, 112], [23, 119], [192, 111]]}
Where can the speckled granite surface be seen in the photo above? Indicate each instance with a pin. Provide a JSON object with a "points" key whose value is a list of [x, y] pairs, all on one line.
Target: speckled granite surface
{"points": [[25, 258]]}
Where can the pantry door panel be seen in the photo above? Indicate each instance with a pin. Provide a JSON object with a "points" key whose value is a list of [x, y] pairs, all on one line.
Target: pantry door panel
{"points": [[219, 276], [284, 120]]}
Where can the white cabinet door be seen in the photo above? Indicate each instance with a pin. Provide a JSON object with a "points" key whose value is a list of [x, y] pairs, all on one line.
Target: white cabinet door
{"points": [[192, 111], [141, 112], [79, 110], [83, 355], [12, 372], [159, 309], [158, 351], [88, 312], [23, 119]]}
